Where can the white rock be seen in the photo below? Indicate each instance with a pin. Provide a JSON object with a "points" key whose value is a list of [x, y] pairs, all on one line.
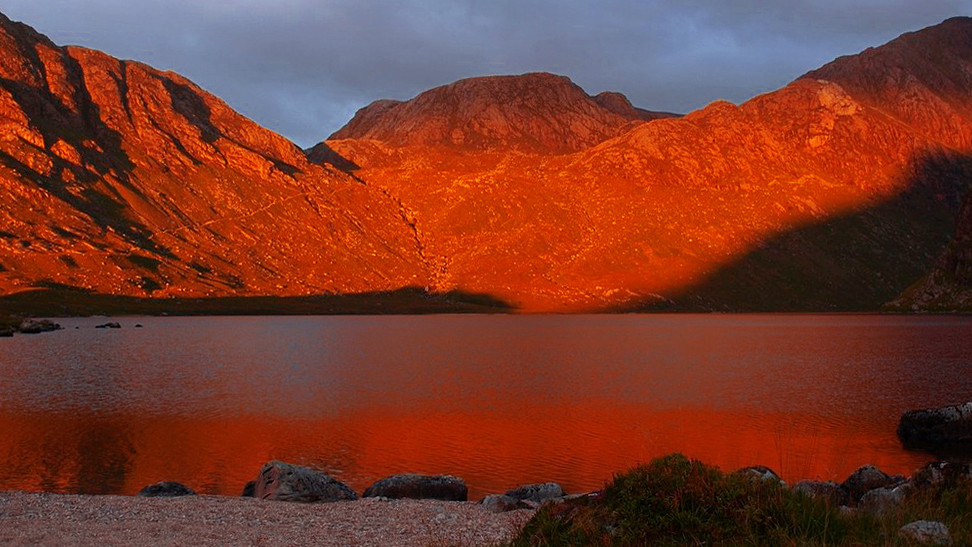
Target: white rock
{"points": [[928, 532]]}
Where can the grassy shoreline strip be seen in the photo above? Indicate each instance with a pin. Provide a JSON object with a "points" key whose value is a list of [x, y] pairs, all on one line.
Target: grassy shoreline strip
{"points": [[677, 501]]}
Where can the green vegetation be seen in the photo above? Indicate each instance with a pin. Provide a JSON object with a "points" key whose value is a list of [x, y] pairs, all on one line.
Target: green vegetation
{"points": [[677, 501]]}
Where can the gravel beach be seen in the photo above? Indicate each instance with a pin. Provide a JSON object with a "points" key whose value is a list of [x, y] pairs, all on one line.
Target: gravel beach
{"points": [[55, 519]]}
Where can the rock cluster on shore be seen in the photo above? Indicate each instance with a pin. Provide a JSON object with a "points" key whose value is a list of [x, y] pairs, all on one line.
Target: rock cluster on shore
{"points": [[948, 426], [412, 486], [10, 326], [29, 326], [866, 489], [280, 481]]}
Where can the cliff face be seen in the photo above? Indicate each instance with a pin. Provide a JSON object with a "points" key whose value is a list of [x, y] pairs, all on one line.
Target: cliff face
{"points": [[835, 192], [121, 179]]}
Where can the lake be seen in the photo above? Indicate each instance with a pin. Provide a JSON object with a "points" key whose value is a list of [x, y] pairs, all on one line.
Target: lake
{"points": [[498, 400]]}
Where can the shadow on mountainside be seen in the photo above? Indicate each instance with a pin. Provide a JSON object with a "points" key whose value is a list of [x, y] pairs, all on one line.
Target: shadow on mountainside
{"points": [[854, 262], [58, 123], [192, 106], [69, 301], [322, 154]]}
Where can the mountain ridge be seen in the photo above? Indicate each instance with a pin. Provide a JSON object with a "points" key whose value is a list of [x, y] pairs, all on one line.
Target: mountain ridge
{"points": [[523, 191], [667, 204], [532, 112], [121, 179]]}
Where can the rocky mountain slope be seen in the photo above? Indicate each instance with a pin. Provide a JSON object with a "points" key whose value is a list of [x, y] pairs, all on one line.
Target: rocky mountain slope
{"points": [[835, 192], [542, 113], [120, 179], [948, 286]]}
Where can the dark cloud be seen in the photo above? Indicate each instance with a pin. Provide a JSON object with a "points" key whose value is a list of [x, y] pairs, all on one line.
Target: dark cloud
{"points": [[302, 67]]}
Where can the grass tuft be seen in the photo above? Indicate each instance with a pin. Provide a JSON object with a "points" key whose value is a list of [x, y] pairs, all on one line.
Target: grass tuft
{"points": [[677, 501]]}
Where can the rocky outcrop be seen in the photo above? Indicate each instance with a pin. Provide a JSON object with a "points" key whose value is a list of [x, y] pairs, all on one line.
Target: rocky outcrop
{"points": [[948, 286], [413, 486], [37, 326], [109, 325], [936, 427], [166, 489], [286, 482], [922, 79]]}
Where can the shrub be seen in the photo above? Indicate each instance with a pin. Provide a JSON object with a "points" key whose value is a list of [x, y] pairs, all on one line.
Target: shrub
{"points": [[677, 501]]}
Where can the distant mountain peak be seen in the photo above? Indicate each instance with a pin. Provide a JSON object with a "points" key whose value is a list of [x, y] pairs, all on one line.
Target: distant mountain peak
{"points": [[534, 112]]}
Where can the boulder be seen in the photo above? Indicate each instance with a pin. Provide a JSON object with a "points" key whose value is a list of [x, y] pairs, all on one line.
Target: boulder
{"points": [[882, 500], [109, 325], [166, 489], [501, 503], [761, 472], [934, 427], [248, 489], [538, 492], [285, 482], [864, 480], [413, 486], [36, 326], [829, 491], [927, 532], [6, 332], [941, 473]]}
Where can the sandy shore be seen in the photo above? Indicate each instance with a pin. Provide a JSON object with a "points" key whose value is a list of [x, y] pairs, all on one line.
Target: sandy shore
{"points": [[54, 519]]}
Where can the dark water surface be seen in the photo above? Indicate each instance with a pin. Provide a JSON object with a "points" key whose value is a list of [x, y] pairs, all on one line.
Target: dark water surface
{"points": [[497, 400]]}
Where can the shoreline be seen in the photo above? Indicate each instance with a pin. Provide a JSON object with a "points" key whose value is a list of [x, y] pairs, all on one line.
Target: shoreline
{"points": [[44, 518], [68, 302], [38, 518]]}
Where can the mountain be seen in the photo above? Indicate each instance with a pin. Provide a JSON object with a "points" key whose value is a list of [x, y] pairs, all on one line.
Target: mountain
{"points": [[833, 193], [836, 192], [118, 179], [536, 112]]}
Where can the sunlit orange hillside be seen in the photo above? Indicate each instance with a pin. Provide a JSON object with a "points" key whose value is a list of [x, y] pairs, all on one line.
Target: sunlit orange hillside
{"points": [[835, 192], [838, 191], [121, 179]]}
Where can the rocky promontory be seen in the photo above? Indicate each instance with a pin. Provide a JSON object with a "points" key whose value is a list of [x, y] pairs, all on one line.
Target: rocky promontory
{"points": [[10, 326], [943, 427]]}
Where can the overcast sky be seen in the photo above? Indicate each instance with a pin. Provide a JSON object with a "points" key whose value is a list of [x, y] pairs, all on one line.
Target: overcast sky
{"points": [[303, 67]]}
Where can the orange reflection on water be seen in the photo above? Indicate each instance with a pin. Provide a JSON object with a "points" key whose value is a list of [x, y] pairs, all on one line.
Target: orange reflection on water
{"points": [[580, 446], [499, 401]]}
